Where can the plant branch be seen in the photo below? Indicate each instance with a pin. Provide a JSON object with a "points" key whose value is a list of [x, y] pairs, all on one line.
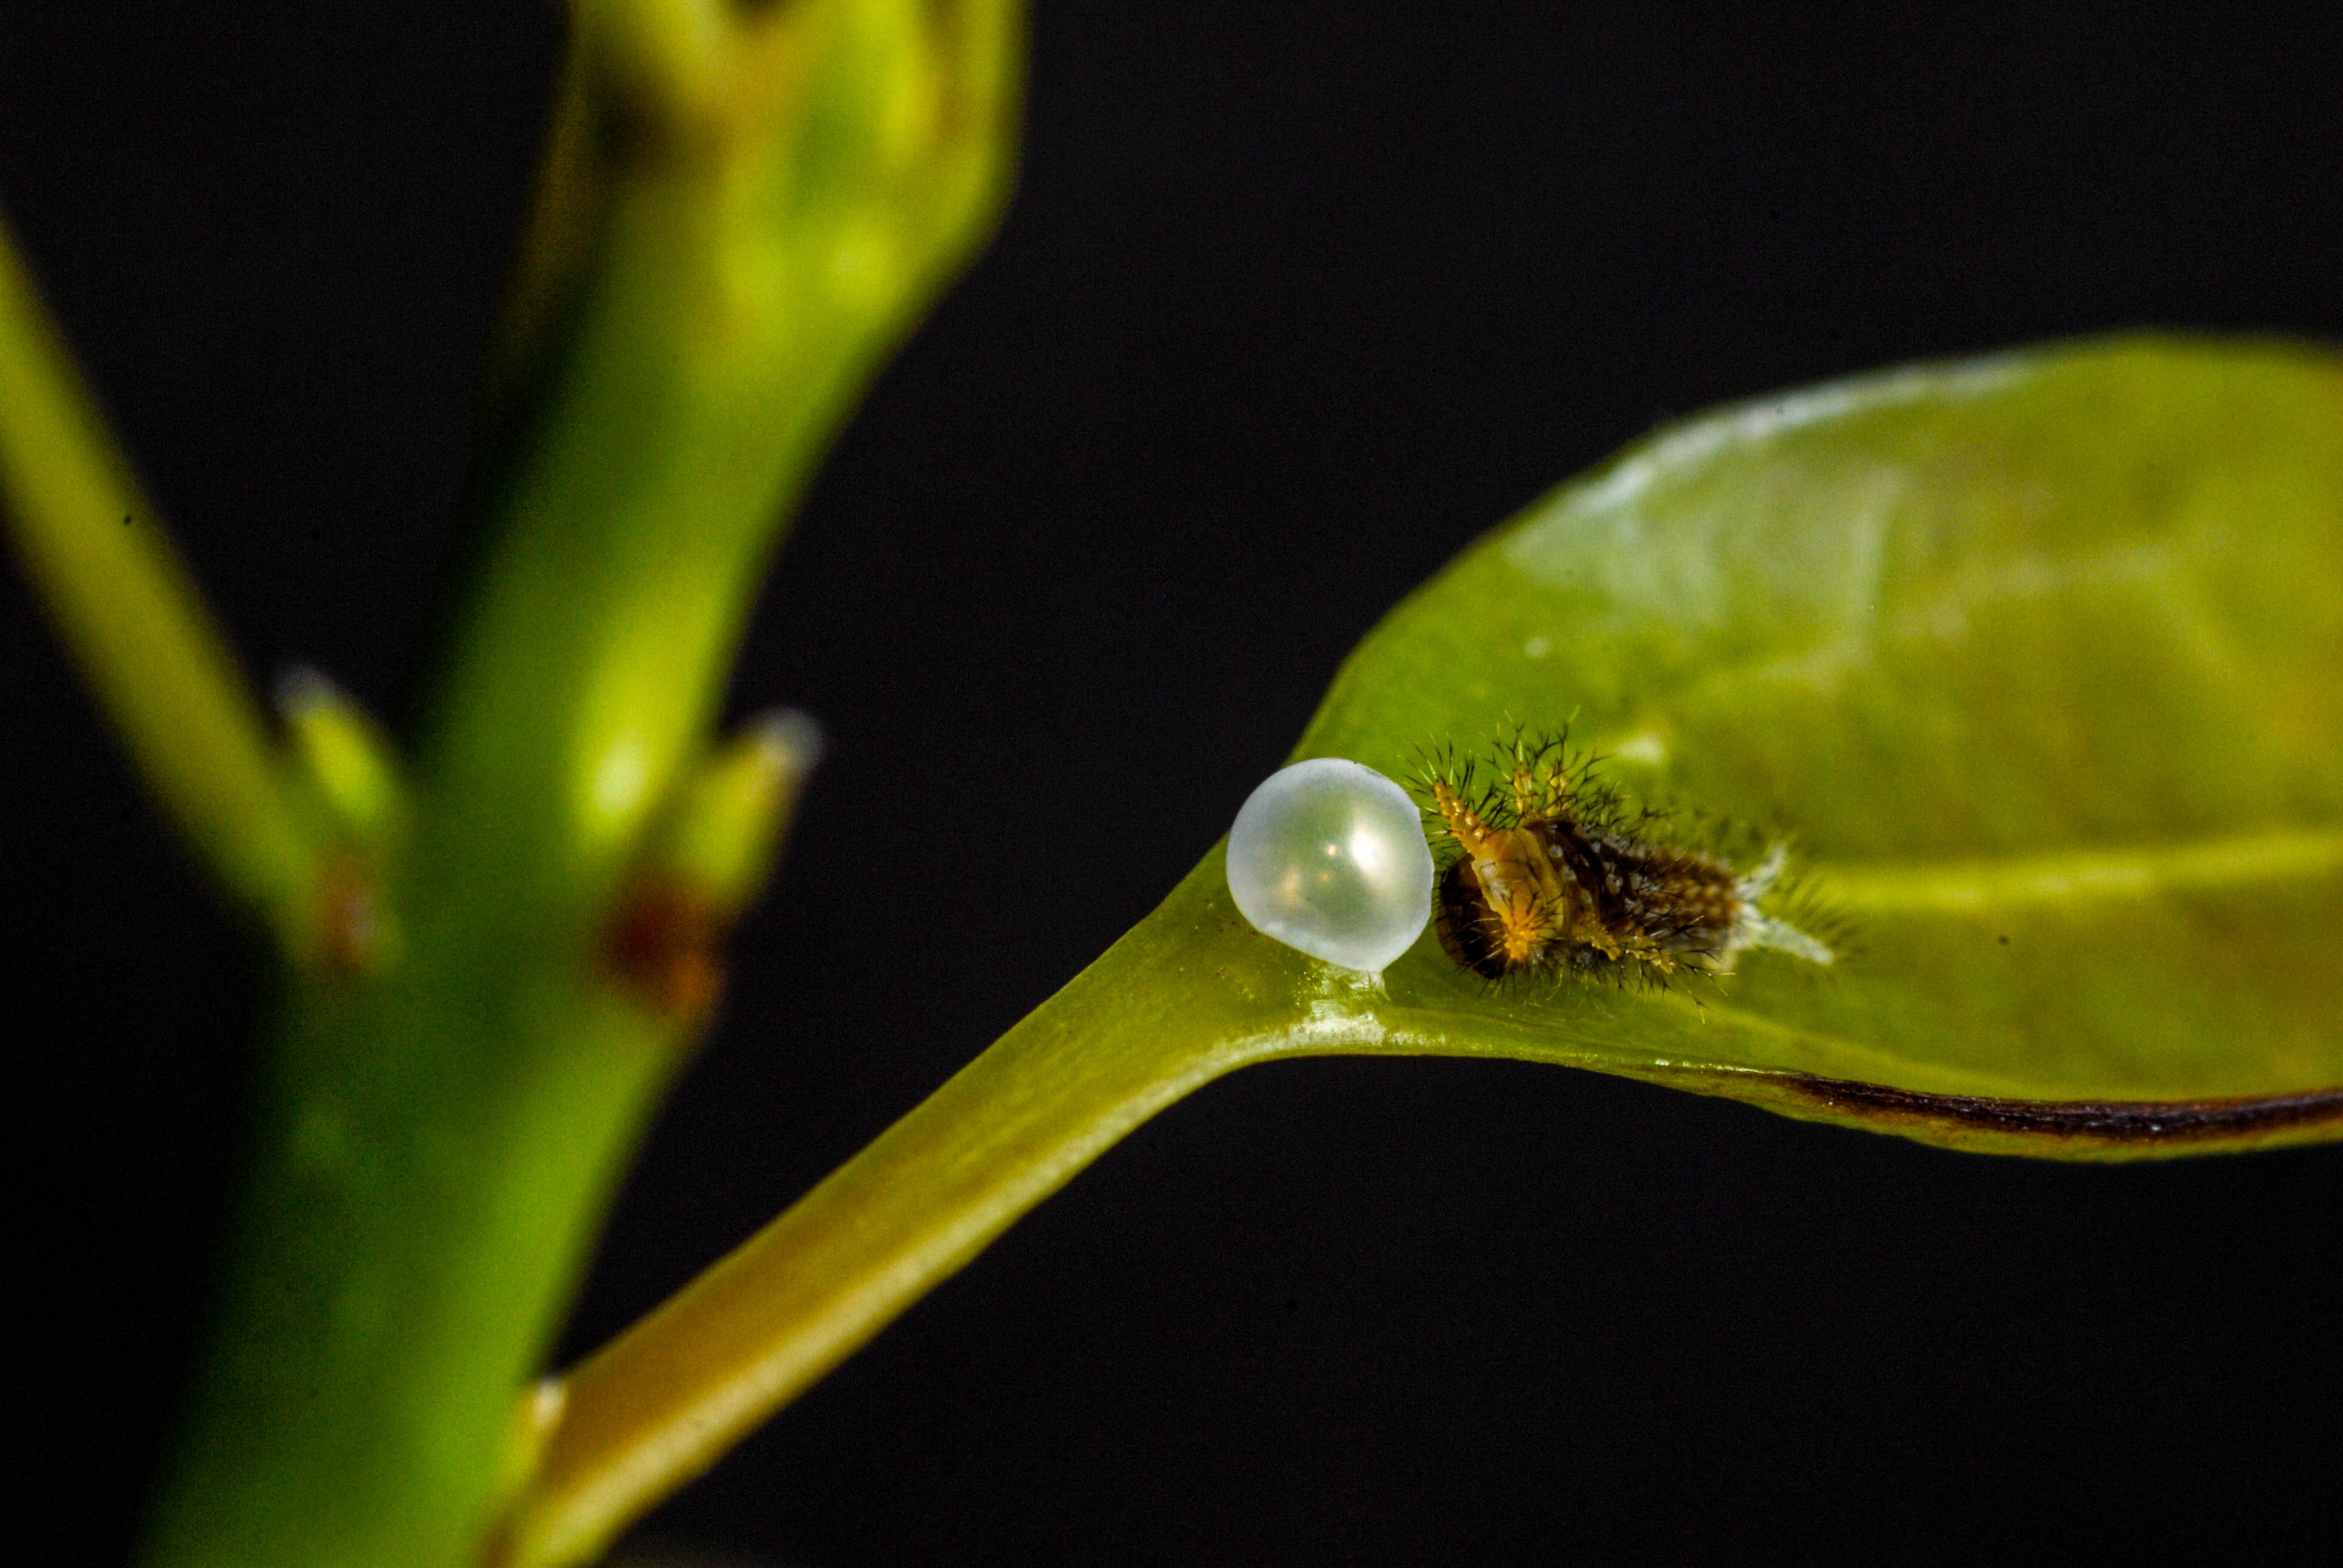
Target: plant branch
{"points": [[663, 1401], [743, 210], [125, 608]]}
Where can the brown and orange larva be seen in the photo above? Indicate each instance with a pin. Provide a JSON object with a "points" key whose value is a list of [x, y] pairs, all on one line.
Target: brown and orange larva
{"points": [[1552, 875]]}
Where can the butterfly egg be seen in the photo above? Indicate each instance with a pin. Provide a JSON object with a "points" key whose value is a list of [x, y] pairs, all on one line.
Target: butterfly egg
{"points": [[1330, 857]]}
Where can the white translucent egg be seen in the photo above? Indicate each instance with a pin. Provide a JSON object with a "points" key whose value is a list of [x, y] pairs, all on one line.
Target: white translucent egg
{"points": [[1329, 857]]}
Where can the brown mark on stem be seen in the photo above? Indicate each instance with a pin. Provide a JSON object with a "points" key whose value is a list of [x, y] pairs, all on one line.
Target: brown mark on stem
{"points": [[349, 918], [665, 945]]}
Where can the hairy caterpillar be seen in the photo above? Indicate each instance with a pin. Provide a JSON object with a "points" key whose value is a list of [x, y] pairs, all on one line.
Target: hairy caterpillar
{"points": [[1553, 874]]}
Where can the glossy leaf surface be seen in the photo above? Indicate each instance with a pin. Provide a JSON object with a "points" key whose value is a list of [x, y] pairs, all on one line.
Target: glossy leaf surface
{"points": [[2037, 658]]}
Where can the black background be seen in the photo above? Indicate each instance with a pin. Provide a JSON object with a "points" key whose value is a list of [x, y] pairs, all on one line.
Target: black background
{"points": [[1294, 300]]}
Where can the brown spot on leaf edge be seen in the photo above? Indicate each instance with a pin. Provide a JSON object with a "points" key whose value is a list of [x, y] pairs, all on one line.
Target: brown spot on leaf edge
{"points": [[2142, 1123]]}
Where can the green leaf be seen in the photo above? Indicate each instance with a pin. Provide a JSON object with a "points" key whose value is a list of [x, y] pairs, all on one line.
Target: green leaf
{"points": [[2035, 660], [2038, 660]]}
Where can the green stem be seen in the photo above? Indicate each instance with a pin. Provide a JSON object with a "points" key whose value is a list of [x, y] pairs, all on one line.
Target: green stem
{"points": [[435, 1154], [124, 605], [659, 1405], [749, 206]]}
